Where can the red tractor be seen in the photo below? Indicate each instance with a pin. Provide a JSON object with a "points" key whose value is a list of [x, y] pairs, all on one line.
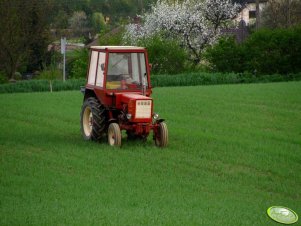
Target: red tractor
{"points": [[117, 97]]}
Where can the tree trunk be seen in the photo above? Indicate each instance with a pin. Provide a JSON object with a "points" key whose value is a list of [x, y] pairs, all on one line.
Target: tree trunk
{"points": [[12, 70], [11, 67]]}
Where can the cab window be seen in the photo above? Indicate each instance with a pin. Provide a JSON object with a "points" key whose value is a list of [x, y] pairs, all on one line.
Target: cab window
{"points": [[126, 71], [92, 68]]}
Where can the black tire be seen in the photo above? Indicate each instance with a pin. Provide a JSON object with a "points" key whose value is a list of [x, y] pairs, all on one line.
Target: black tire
{"points": [[92, 119], [161, 138], [114, 135]]}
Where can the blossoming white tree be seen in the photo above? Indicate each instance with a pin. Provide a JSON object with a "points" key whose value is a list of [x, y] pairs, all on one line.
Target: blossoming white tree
{"points": [[195, 23]]}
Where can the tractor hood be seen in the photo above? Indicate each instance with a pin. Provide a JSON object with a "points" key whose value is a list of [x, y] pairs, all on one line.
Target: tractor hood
{"points": [[139, 107], [126, 98]]}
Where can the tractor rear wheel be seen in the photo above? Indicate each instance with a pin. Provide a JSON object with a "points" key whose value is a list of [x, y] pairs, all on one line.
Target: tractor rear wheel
{"points": [[93, 119], [161, 136], [114, 135]]}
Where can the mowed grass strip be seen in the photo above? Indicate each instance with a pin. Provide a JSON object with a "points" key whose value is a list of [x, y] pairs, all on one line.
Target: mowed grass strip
{"points": [[234, 151]]}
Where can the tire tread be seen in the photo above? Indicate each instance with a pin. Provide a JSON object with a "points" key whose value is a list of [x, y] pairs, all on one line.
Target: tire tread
{"points": [[99, 118]]}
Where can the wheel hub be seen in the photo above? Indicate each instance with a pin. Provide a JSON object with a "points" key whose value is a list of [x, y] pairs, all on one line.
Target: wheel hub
{"points": [[88, 121]]}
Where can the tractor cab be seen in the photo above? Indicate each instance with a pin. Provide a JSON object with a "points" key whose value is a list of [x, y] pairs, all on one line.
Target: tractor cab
{"points": [[119, 69], [117, 96]]}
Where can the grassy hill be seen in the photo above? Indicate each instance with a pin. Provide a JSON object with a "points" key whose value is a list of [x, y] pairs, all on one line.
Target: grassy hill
{"points": [[234, 151]]}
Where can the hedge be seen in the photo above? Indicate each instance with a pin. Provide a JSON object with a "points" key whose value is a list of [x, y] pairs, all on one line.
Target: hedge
{"points": [[41, 86], [188, 79], [194, 79]]}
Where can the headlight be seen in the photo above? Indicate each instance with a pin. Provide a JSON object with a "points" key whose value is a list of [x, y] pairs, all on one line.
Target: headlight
{"points": [[128, 116], [155, 116]]}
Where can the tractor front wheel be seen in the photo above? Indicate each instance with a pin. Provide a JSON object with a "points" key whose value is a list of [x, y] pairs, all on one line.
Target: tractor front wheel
{"points": [[161, 135], [114, 135], [92, 119]]}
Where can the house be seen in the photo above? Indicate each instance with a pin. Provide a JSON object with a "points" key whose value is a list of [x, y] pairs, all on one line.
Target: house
{"points": [[56, 46], [248, 12], [245, 18]]}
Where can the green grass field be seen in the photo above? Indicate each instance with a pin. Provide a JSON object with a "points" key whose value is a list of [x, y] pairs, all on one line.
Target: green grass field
{"points": [[234, 151]]}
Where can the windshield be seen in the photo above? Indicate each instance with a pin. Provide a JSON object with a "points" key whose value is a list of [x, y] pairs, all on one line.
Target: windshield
{"points": [[126, 71]]}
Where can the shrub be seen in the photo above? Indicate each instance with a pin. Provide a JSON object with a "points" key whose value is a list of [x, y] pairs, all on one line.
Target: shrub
{"points": [[264, 52], [78, 63], [166, 56], [274, 51], [3, 78], [227, 56], [79, 69], [17, 76], [51, 74]]}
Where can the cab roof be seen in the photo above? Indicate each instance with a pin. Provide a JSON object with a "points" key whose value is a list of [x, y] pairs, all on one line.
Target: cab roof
{"points": [[118, 47]]}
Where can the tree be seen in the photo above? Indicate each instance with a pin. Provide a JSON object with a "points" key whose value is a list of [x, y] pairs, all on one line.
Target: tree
{"points": [[38, 36], [195, 23], [78, 22], [60, 21], [281, 13], [12, 41], [98, 22], [24, 34]]}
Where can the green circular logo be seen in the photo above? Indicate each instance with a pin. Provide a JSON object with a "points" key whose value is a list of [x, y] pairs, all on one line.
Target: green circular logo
{"points": [[282, 214]]}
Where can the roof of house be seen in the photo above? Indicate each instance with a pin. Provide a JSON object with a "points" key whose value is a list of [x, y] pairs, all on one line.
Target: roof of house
{"points": [[249, 1], [95, 42]]}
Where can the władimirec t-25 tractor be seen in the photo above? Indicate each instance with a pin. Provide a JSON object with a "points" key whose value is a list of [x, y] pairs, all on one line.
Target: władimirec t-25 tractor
{"points": [[117, 97]]}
